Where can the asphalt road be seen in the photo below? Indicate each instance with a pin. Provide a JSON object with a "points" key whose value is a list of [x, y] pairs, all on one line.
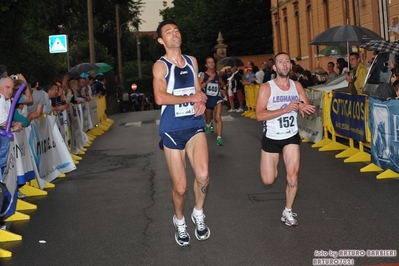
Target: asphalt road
{"points": [[116, 208]]}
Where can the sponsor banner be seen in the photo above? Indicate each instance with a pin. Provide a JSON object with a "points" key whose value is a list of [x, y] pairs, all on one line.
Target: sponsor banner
{"points": [[311, 127], [77, 138], [384, 127], [348, 115], [61, 121], [10, 181], [20, 149], [46, 149], [87, 124], [93, 112]]}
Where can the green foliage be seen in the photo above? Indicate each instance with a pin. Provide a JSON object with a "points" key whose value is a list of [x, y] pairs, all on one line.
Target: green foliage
{"points": [[245, 26], [27, 24]]}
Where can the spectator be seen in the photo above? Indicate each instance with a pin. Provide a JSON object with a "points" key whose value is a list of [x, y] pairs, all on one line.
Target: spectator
{"points": [[273, 73], [248, 77], [100, 85], [342, 66], [238, 89], [72, 93], [358, 73], [258, 79], [267, 70], [21, 111], [6, 93], [51, 90], [330, 71], [298, 70], [126, 101], [36, 108]]}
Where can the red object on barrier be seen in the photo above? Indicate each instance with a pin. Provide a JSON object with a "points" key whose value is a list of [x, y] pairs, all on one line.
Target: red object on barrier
{"points": [[134, 86]]}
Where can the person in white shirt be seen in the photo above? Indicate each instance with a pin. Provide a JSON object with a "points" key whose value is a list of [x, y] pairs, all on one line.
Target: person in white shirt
{"points": [[278, 104]]}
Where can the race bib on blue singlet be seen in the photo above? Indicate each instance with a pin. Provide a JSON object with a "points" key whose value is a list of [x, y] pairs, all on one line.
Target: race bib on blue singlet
{"points": [[212, 89], [184, 109]]}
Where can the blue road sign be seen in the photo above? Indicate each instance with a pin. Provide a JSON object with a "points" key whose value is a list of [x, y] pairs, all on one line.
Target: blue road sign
{"points": [[58, 43]]}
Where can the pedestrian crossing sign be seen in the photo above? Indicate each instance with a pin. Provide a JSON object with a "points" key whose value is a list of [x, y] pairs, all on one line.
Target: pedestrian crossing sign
{"points": [[58, 44]]}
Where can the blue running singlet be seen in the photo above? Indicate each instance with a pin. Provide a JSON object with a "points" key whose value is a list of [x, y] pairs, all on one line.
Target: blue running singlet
{"points": [[180, 81]]}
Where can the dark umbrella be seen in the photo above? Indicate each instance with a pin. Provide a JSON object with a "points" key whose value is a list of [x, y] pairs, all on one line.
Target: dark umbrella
{"points": [[83, 67], [347, 35], [231, 61], [382, 46]]}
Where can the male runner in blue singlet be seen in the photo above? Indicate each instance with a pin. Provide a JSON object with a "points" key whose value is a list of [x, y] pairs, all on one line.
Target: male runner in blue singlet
{"points": [[211, 83], [181, 128], [278, 103]]}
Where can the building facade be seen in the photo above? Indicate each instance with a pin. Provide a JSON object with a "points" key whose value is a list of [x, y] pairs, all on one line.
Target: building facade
{"points": [[297, 22]]}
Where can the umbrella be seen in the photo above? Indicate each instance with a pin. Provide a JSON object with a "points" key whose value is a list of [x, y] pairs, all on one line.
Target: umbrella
{"points": [[231, 61], [83, 67], [347, 35], [225, 68], [333, 50], [382, 46], [104, 67]]}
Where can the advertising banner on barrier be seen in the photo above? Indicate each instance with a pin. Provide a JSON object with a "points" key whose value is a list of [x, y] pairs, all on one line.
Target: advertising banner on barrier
{"points": [[311, 127], [348, 115], [93, 111], [78, 137], [61, 121], [23, 159], [50, 155], [384, 127], [87, 124]]}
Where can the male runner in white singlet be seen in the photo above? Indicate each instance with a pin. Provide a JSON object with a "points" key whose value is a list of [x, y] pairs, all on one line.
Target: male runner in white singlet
{"points": [[277, 105]]}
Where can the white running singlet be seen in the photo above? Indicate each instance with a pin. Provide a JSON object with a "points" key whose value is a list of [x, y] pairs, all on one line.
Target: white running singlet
{"points": [[285, 126]]}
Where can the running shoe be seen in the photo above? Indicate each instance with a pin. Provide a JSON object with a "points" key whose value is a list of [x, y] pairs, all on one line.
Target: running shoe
{"points": [[202, 232], [240, 110], [212, 128], [219, 141], [207, 129], [181, 235], [231, 110], [288, 218], [21, 195]]}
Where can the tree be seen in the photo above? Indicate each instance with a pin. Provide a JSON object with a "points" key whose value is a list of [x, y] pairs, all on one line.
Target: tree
{"points": [[245, 26]]}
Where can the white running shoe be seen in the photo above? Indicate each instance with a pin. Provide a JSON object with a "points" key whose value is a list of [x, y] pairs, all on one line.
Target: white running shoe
{"points": [[202, 232], [181, 235], [287, 217], [232, 110]]}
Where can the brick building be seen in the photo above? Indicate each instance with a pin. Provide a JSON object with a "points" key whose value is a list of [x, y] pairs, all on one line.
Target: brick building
{"points": [[297, 22]]}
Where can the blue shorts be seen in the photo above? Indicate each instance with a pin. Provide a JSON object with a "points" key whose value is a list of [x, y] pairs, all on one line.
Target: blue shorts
{"points": [[178, 139], [213, 101]]}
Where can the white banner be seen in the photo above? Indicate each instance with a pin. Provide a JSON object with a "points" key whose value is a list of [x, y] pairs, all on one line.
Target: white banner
{"points": [[49, 152], [61, 120], [93, 111], [23, 158], [78, 137], [87, 123], [311, 127]]}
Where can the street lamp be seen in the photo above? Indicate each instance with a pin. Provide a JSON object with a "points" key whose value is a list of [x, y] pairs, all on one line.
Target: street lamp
{"points": [[120, 29], [136, 22]]}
